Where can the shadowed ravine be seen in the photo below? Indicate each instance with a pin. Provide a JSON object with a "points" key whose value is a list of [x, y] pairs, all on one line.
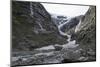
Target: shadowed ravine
{"points": [[39, 38], [50, 54]]}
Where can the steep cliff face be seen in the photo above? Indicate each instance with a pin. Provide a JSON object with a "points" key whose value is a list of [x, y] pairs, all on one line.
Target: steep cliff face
{"points": [[32, 26], [86, 33]]}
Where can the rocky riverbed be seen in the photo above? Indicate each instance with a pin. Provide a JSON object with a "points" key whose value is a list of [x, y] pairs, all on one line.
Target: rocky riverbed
{"points": [[46, 55]]}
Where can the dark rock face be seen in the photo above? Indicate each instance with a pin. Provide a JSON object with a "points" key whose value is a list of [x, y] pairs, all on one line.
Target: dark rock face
{"points": [[86, 35], [70, 26], [72, 23], [87, 29], [32, 26]]}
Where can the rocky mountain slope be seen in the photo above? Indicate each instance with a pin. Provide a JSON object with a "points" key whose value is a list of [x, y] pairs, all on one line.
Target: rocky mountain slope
{"points": [[86, 33], [32, 26]]}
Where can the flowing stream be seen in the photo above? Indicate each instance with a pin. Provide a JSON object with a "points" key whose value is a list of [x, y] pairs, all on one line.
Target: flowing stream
{"points": [[48, 54], [70, 44]]}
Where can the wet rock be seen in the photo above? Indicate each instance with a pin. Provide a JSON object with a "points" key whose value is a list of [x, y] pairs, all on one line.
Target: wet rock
{"points": [[58, 47]]}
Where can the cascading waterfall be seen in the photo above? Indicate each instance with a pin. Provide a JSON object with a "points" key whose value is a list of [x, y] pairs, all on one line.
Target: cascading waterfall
{"points": [[41, 26], [62, 33], [77, 27], [70, 44], [31, 13], [31, 9]]}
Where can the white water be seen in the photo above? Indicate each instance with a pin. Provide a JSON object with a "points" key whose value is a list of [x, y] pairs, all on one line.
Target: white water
{"points": [[77, 27], [51, 47], [41, 26], [47, 54], [71, 44], [63, 33], [61, 25], [31, 9]]}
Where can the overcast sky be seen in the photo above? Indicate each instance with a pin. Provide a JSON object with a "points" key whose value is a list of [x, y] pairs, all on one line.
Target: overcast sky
{"points": [[67, 10]]}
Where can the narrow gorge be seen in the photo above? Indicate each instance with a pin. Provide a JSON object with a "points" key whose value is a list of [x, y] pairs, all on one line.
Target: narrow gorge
{"points": [[39, 37]]}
